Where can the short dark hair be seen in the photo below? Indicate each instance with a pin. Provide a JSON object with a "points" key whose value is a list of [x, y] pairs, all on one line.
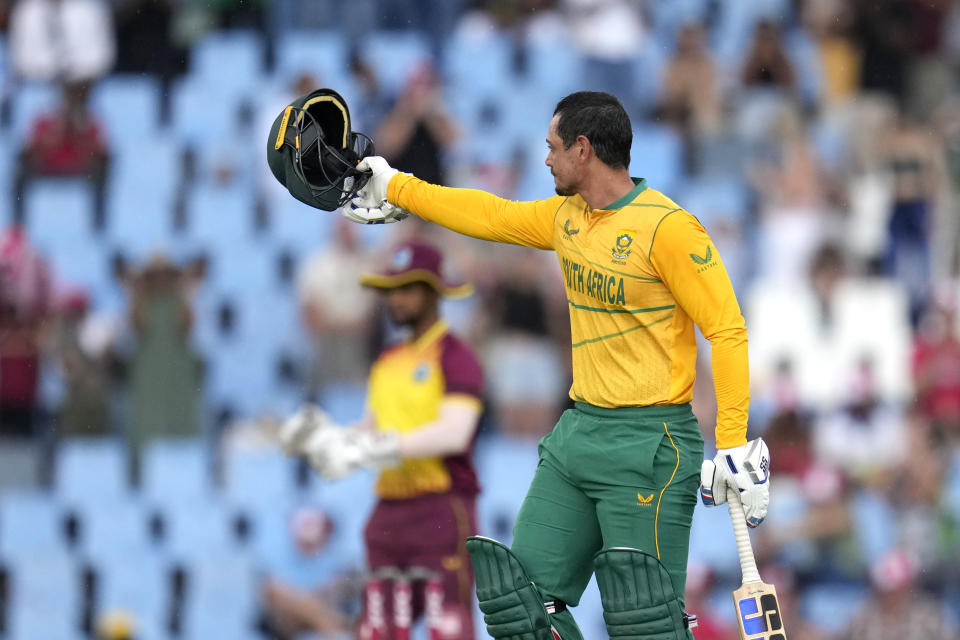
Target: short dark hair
{"points": [[602, 120]]}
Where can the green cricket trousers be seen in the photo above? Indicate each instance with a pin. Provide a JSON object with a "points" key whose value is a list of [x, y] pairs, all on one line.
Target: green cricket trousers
{"points": [[624, 477]]}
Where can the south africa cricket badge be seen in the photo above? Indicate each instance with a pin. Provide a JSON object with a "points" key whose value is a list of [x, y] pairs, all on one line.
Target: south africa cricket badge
{"points": [[621, 247]]}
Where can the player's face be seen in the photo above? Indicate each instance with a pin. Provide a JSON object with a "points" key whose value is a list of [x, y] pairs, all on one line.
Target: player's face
{"points": [[408, 304], [562, 162]]}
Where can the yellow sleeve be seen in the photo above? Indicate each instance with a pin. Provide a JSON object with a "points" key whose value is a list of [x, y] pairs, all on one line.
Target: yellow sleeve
{"points": [[477, 213], [689, 264]]}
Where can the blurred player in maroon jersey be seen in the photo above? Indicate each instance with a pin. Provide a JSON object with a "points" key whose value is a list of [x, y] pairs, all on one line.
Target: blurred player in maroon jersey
{"points": [[424, 404]]}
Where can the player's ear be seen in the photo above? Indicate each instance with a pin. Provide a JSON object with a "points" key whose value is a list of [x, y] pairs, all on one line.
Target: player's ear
{"points": [[584, 147]]}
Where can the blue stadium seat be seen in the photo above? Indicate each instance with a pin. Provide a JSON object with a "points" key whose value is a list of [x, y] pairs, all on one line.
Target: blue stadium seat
{"points": [[137, 224], [737, 20], [220, 217], [394, 54], [44, 597], [669, 16], [805, 56], [321, 53], [152, 170], [244, 267], [832, 606], [30, 522], [554, 68], [194, 529], [230, 63], [657, 155], [30, 100], [222, 598], [91, 470], [874, 525], [58, 213], [505, 466], [256, 479], [137, 585], [298, 226], [175, 470], [478, 64], [348, 502], [128, 106], [114, 530], [344, 402], [202, 113], [711, 540], [84, 263], [240, 377], [717, 199]]}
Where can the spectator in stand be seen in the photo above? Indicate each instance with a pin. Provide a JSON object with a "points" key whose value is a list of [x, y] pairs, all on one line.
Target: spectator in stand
{"points": [[867, 436], [297, 604], [916, 166], [690, 98], [66, 143], [336, 311], [916, 494], [897, 609], [26, 301], [419, 129], [83, 346], [66, 40], [930, 72], [830, 24], [710, 625], [610, 34], [164, 372], [791, 608], [767, 65], [885, 36], [528, 374], [936, 368], [144, 42], [373, 105]]}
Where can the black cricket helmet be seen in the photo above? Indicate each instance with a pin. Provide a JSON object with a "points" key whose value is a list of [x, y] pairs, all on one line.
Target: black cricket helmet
{"points": [[314, 153]]}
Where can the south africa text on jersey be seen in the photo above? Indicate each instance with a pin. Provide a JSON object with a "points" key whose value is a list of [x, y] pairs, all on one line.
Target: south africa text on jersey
{"points": [[593, 282]]}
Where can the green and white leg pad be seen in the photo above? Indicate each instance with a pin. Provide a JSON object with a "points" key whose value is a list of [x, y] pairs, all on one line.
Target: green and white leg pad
{"points": [[512, 607], [639, 601]]}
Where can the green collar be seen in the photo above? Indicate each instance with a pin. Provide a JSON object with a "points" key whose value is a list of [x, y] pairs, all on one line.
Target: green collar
{"points": [[629, 197]]}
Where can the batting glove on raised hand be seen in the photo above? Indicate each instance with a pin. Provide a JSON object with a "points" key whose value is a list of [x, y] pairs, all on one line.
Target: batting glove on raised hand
{"points": [[374, 192], [298, 428], [336, 453], [745, 469], [384, 214]]}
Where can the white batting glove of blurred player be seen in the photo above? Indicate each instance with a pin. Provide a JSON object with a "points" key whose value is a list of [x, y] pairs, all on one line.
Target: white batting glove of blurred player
{"points": [[297, 429], [384, 214], [747, 470], [374, 192], [336, 453]]}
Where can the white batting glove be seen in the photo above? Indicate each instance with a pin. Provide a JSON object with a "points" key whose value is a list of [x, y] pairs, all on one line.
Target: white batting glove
{"points": [[300, 426], [384, 214], [374, 192], [336, 453], [747, 470]]}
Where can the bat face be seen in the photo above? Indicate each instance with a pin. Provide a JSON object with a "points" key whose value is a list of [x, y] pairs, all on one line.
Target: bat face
{"points": [[758, 612]]}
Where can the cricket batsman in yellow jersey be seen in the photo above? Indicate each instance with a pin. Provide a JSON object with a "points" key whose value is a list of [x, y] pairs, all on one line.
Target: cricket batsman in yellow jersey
{"points": [[615, 489], [424, 403]]}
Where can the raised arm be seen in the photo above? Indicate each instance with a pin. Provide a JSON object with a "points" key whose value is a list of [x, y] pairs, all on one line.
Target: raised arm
{"points": [[477, 213]]}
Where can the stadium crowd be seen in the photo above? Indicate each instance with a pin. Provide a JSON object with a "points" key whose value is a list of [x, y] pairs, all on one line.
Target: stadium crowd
{"points": [[156, 283]]}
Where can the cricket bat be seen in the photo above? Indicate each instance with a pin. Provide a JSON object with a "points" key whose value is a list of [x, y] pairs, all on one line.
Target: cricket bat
{"points": [[756, 603]]}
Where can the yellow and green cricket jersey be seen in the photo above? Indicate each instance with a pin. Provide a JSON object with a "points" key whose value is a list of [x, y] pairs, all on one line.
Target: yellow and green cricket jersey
{"points": [[639, 274]]}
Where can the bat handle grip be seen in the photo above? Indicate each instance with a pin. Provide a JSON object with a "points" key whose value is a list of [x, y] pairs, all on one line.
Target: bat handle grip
{"points": [[748, 563]]}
